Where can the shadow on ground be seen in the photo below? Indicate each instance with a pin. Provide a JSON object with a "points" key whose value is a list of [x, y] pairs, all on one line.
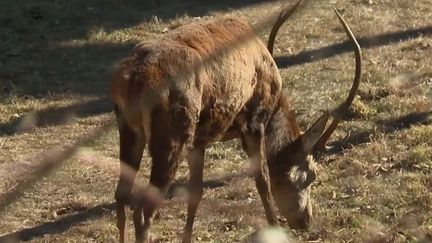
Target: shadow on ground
{"points": [[208, 184], [93, 77], [34, 65], [346, 46], [33, 62], [56, 116], [66, 222], [60, 225], [385, 126]]}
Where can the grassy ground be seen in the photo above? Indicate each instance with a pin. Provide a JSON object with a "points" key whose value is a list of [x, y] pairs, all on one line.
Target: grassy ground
{"points": [[376, 186]]}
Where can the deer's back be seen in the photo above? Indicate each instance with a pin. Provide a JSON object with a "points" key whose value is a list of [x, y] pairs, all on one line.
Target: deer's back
{"points": [[213, 68]]}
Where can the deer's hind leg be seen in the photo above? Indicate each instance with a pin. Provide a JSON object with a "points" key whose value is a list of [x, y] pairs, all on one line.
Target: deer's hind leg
{"points": [[132, 145]]}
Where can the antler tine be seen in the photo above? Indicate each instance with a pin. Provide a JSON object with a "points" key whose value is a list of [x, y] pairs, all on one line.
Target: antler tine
{"points": [[283, 16], [339, 112]]}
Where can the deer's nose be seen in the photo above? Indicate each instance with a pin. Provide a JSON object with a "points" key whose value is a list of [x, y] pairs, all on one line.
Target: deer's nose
{"points": [[302, 222]]}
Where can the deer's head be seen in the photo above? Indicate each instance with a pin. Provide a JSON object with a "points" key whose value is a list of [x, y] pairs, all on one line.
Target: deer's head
{"points": [[292, 172], [291, 164]]}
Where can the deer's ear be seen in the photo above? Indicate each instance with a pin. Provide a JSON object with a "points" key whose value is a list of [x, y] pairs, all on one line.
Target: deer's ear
{"points": [[311, 136]]}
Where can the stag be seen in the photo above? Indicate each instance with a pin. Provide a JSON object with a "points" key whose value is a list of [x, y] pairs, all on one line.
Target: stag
{"points": [[206, 82]]}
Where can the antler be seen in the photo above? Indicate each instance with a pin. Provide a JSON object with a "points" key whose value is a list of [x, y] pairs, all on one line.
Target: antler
{"points": [[283, 16], [339, 112]]}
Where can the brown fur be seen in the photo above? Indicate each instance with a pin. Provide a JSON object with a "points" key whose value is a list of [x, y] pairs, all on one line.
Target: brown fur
{"points": [[191, 87], [197, 85]]}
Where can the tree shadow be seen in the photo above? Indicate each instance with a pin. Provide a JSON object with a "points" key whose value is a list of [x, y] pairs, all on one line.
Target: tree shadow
{"points": [[208, 184], [385, 126], [65, 223], [55, 116], [346, 46], [37, 61], [60, 225], [404, 122], [32, 65]]}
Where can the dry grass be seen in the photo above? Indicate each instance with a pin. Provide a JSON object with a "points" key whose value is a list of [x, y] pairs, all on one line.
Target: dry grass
{"points": [[375, 187]]}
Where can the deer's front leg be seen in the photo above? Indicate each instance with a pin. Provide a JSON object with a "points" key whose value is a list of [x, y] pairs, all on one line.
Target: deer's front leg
{"points": [[254, 146], [196, 166]]}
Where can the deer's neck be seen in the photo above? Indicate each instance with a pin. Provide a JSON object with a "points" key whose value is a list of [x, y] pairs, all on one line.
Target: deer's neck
{"points": [[281, 130]]}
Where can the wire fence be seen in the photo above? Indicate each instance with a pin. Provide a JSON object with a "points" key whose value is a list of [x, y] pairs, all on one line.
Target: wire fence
{"points": [[47, 162], [42, 164]]}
